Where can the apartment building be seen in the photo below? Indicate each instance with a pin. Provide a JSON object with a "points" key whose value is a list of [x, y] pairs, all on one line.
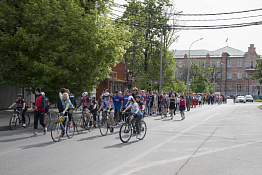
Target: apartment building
{"points": [[232, 68]]}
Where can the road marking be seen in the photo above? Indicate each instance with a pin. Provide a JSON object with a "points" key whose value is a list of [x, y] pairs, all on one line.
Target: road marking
{"points": [[163, 162], [128, 163], [211, 116]]}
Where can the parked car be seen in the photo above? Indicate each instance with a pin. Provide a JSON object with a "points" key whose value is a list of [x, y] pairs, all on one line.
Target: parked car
{"points": [[241, 99], [249, 98]]}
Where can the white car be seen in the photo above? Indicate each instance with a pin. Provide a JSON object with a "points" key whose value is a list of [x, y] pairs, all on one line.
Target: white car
{"points": [[249, 98], [241, 99]]}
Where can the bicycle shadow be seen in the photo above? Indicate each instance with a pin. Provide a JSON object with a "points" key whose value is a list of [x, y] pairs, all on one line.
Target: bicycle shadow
{"points": [[38, 145], [15, 139], [90, 138], [120, 145]]}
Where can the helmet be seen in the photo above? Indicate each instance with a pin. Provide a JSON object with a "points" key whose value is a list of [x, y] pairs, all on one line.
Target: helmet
{"points": [[138, 96], [134, 88], [19, 95], [43, 93], [85, 94], [130, 98], [61, 119], [106, 94]]}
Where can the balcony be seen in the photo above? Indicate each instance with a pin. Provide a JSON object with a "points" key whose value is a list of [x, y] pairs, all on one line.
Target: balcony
{"points": [[251, 68]]}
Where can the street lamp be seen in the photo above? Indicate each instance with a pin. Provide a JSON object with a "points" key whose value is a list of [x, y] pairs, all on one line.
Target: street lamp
{"points": [[189, 64]]}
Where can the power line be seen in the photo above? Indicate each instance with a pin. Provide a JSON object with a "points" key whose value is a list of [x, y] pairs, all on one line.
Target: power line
{"points": [[203, 14]]}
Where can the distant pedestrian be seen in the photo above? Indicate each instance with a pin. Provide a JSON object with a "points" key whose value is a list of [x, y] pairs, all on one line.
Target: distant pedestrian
{"points": [[182, 107], [172, 106]]}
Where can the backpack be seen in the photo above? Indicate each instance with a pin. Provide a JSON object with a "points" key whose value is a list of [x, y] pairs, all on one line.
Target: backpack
{"points": [[46, 102]]}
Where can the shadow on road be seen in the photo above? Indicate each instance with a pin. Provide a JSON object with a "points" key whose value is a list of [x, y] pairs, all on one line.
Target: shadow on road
{"points": [[15, 139], [38, 145], [90, 138], [120, 145]]}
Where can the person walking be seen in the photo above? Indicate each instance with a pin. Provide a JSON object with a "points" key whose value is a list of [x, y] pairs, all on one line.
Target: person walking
{"points": [[39, 111], [172, 106], [182, 107], [188, 101]]}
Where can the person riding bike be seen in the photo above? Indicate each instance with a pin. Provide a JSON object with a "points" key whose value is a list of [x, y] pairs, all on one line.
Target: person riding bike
{"points": [[108, 106], [87, 106], [22, 105], [136, 110]]}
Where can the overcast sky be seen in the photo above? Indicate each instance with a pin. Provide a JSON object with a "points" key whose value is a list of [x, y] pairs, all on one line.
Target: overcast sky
{"points": [[239, 38]]}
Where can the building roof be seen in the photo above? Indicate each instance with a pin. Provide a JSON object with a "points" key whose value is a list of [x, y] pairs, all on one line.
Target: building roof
{"points": [[203, 53]]}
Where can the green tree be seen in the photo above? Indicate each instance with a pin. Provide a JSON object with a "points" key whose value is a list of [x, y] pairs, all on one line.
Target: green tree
{"points": [[258, 71], [198, 82], [54, 44]]}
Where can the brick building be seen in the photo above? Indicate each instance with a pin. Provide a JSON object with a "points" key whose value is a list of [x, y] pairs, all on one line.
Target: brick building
{"points": [[119, 80], [232, 68]]}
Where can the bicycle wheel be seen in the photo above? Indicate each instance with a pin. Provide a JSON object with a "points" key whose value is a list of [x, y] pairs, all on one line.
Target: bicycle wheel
{"points": [[56, 131], [48, 121], [125, 132], [86, 123], [80, 125], [12, 123], [103, 126], [70, 131], [143, 129], [27, 120]]}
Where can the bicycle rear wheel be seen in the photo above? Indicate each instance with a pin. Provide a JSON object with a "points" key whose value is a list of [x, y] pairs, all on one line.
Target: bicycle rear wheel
{"points": [[70, 131], [12, 123], [143, 129], [56, 131], [27, 120], [80, 125], [48, 121], [125, 132], [103, 126]]}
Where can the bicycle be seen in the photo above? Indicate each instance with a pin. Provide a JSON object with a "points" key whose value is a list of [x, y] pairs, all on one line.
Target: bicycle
{"points": [[83, 123], [60, 128], [104, 123], [128, 129], [17, 117]]}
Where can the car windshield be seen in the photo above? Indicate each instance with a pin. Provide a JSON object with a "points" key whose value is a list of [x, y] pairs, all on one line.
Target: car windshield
{"points": [[240, 97], [249, 96]]}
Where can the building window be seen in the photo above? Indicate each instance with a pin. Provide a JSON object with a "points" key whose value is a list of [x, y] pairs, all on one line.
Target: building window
{"points": [[180, 64], [202, 64], [247, 88], [219, 75], [218, 87], [121, 88], [246, 63], [239, 75], [229, 63], [239, 87], [218, 63], [251, 64], [212, 63], [229, 75], [253, 88], [239, 63], [229, 87]]}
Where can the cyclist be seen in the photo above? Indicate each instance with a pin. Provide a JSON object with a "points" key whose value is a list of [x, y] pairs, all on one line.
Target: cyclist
{"points": [[68, 107], [108, 105], [234, 99], [46, 106], [23, 105], [94, 110], [136, 110], [87, 106]]}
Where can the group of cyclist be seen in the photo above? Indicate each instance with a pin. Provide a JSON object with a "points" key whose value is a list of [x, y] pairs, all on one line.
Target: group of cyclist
{"points": [[118, 106]]}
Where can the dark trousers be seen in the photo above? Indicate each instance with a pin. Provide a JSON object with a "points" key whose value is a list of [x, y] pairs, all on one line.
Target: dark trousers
{"points": [[94, 112], [23, 113], [117, 114], [38, 115], [188, 105], [137, 124]]}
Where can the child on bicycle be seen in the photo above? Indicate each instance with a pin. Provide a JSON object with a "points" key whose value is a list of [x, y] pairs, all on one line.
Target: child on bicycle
{"points": [[136, 110], [108, 106], [22, 105], [68, 107]]}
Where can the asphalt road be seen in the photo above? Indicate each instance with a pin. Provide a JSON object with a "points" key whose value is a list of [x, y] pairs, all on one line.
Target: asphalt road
{"points": [[212, 140]]}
